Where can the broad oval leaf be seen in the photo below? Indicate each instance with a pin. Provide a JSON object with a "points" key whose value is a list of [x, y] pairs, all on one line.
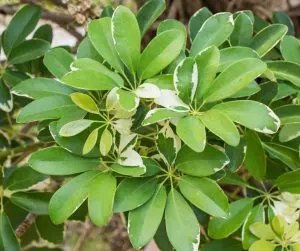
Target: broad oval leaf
{"points": [[160, 114], [290, 49], [75, 127], [87, 50], [127, 100], [85, 102], [242, 31], [133, 171], [289, 182], [205, 194], [197, 20], [288, 114], [262, 245], [44, 32], [289, 132], [236, 155]]}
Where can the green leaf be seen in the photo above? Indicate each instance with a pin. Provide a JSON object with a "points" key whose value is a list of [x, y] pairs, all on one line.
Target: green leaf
{"points": [[148, 13], [85, 102], [74, 127], [286, 71], [6, 98], [90, 141], [290, 49], [101, 198], [52, 107], [87, 50], [242, 31], [160, 52], [58, 61], [152, 166], [207, 63], [57, 161], [166, 146], [197, 20], [22, 178], [127, 100], [236, 155], [192, 132], [289, 182], [262, 245], [267, 93], [34, 202], [186, 79], [262, 231], [280, 17], [8, 239], [201, 164], [144, 221], [234, 78], [181, 223], [222, 245], [289, 132], [267, 38], [259, 117], [230, 55], [44, 32], [21, 25], [160, 114], [65, 201], [214, 31], [48, 231], [28, 50], [133, 171], [39, 87], [163, 81], [249, 90], [255, 159], [100, 35], [205, 194], [127, 37], [106, 142], [288, 114], [221, 125], [287, 155], [219, 228], [133, 192]]}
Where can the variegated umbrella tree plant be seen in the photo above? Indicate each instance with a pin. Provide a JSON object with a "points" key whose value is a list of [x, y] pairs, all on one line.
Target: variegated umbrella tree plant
{"points": [[162, 133]]}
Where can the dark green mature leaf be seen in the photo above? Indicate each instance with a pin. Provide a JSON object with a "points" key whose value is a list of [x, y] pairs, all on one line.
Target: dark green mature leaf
{"points": [[87, 50], [133, 192], [255, 159], [242, 31], [52, 107], [152, 166], [249, 90], [28, 50], [267, 93], [34, 202], [70, 196], [101, 198], [44, 32], [280, 17], [148, 13], [161, 238], [202, 164], [222, 245], [236, 155], [166, 146], [6, 99], [41, 87], [57, 161], [267, 38], [290, 49], [144, 221], [58, 61], [8, 239], [181, 223], [219, 228], [214, 31], [197, 20], [127, 37], [287, 155], [22, 178], [288, 114], [20, 26], [289, 132], [48, 231], [289, 182], [172, 24], [160, 52], [234, 78], [100, 35], [205, 194]]}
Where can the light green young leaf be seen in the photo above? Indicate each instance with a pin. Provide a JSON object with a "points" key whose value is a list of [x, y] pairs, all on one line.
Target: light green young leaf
{"points": [[58, 61], [160, 52], [144, 221], [192, 132], [205, 194], [234, 78], [127, 100], [90, 142], [126, 37], [290, 49], [262, 245], [267, 38], [259, 117], [221, 125], [106, 142], [262, 231], [181, 223], [8, 239], [85, 102], [214, 31], [75, 127], [101, 198], [160, 114], [197, 21], [242, 31]]}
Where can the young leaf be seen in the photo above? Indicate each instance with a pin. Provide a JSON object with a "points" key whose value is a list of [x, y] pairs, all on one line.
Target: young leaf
{"points": [[267, 38], [181, 223], [221, 125], [72, 128], [242, 31], [126, 37], [148, 13], [160, 52], [234, 78], [85, 102], [219, 228], [106, 142], [201, 164], [6, 98], [90, 141], [144, 221], [259, 117], [127, 100], [192, 132], [255, 159], [160, 114], [133, 192], [214, 31], [197, 21], [65, 201], [57, 161], [8, 239], [101, 198], [205, 194], [290, 49]]}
